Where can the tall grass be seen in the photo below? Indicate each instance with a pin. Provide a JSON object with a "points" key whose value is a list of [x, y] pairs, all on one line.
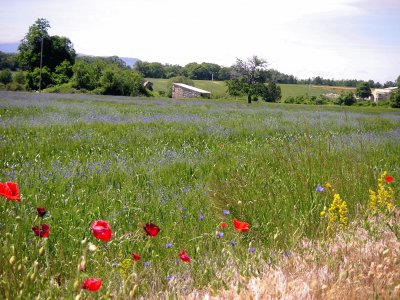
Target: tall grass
{"points": [[179, 165]]}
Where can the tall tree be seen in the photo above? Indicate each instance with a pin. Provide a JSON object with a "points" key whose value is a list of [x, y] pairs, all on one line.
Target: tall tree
{"points": [[56, 49], [363, 90], [248, 76]]}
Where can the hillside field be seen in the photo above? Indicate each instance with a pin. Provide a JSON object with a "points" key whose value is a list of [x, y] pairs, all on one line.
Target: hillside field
{"points": [[218, 88], [234, 190]]}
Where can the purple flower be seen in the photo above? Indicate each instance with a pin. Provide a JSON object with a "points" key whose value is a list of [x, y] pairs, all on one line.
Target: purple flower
{"points": [[115, 264], [287, 254], [233, 243], [168, 278], [201, 218], [147, 263], [226, 212], [168, 245], [319, 189], [220, 234], [252, 249]]}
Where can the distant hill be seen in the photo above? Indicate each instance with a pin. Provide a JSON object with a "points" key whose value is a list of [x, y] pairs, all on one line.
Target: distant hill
{"points": [[130, 61], [9, 47]]}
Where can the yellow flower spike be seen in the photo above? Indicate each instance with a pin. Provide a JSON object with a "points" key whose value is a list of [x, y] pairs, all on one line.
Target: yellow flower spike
{"points": [[336, 214]]}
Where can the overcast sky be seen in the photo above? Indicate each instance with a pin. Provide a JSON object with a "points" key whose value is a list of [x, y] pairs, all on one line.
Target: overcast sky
{"points": [[330, 38]]}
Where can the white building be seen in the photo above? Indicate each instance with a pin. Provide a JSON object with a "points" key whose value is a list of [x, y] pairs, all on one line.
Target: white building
{"points": [[382, 94]]}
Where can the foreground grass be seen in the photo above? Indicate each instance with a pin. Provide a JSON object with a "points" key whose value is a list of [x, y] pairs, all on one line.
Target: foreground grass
{"points": [[358, 263], [181, 165]]}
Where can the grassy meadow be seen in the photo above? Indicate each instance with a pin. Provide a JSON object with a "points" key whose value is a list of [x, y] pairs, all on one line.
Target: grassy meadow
{"points": [[218, 88], [188, 166]]}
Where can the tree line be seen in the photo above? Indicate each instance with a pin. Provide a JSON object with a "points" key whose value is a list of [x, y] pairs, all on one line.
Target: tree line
{"points": [[45, 61]]}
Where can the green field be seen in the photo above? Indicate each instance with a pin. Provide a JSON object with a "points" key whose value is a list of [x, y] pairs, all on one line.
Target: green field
{"points": [[187, 166], [218, 88]]}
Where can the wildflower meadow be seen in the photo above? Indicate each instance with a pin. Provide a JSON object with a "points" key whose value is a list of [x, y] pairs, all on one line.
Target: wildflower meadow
{"points": [[117, 197]]}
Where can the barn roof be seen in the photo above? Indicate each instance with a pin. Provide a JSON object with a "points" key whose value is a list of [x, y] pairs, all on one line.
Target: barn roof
{"points": [[192, 88]]}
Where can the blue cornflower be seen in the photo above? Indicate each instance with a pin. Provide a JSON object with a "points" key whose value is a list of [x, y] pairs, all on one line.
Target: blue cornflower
{"points": [[252, 249], [233, 243], [201, 218], [319, 189], [168, 245], [287, 254], [115, 264], [220, 234], [226, 212], [147, 263], [168, 278]]}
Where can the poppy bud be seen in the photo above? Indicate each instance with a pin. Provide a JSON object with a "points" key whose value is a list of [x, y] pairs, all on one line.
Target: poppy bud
{"points": [[78, 297], [92, 247], [41, 251], [36, 265], [12, 260], [21, 268], [32, 277], [77, 285], [82, 266]]}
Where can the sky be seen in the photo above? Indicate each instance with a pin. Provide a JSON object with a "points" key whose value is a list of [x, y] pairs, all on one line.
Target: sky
{"points": [[340, 39]]}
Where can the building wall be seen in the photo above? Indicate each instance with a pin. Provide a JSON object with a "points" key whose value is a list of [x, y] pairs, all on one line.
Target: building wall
{"points": [[181, 92]]}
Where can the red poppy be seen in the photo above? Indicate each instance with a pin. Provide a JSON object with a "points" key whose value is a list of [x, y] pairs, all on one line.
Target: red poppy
{"points": [[9, 190], [389, 178], [92, 284], [241, 226], [101, 230], [183, 255], [135, 256], [42, 231], [151, 229], [223, 225], [41, 212]]}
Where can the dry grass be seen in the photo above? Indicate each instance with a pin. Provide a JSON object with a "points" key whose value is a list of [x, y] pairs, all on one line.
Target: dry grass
{"points": [[357, 264]]}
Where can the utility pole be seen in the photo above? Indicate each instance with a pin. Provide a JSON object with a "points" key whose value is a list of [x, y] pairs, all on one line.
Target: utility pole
{"points": [[41, 61]]}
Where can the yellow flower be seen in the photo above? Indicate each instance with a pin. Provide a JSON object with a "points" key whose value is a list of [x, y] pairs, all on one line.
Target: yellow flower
{"points": [[337, 215], [382, 199]]}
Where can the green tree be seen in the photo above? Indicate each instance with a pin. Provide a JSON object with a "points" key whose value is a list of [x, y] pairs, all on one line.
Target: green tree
{"points": [[395, 99], [63, 73], [8, 61], [271, 92], [5, 76], [38, 77], [55, 49], [87, 75], [363, 90], [398, 82], [346, 98], [248, 77]]}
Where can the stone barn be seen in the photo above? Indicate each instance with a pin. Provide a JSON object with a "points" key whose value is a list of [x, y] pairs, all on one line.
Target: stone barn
{"points": [[180, 90]]}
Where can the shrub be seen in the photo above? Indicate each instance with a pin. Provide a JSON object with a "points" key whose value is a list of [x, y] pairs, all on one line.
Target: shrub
{"points": [[36, 78], [19, 77], [395, 99], [13, 86], [5, 76], [346, 98]]}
